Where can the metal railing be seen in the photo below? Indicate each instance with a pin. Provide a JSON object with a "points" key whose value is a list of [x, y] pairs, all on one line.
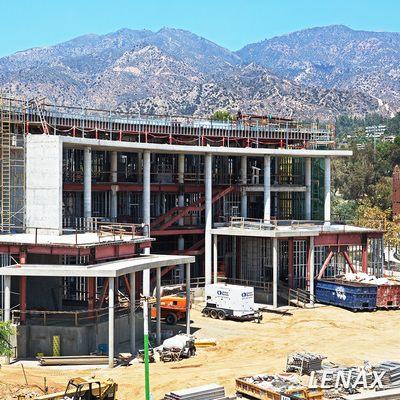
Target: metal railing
{"points": [[65, 318], [300, 297], [265, 286]]}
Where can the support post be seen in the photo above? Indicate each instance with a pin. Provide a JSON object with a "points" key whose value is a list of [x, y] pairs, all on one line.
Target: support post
{"points": [[234, 258], [243, 181], [327, 180], [291, 262], [181, 203], [111, 322], [132, 282], [188, 298], [308, 188], [215, 259], [7, 305], [267, 188], [275, 275], [311, 266], [114, 180], [158, 305], [91, 288], [22, 288], [364, 258], [208, 218], [87, 182]]}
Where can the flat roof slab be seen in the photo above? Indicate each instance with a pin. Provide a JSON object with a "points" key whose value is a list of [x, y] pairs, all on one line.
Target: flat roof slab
{"points": [[111, 269], [87, 239], [109, 145], [302, 230]]}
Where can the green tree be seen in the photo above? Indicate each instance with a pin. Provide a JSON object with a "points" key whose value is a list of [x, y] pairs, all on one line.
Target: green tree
{"points": [[222, 115], [6, 331]]}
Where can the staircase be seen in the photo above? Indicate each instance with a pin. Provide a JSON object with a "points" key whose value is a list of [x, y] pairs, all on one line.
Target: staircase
{"points": [[175, 214], [5, 132]]}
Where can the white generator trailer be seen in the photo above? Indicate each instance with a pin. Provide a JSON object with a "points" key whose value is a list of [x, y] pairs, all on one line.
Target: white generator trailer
{"points": [[230, 301]]}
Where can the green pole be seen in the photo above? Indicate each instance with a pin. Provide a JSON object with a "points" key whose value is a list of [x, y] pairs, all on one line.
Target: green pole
{"points": [[146, 348], [146, 368]]}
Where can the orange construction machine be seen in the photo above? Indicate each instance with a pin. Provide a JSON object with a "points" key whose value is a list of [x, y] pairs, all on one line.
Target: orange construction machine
{"points": [[173, 309]]}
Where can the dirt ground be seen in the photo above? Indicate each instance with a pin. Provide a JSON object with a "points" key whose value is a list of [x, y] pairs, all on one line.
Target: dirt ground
{"points": [[243, 348]]}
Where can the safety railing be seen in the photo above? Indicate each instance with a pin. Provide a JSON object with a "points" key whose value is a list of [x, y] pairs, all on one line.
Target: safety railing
{"points": [[65, 318], [265, 286], [300, 297]]}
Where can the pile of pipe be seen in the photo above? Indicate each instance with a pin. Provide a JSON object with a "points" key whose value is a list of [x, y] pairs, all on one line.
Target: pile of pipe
{"points": [[304, 362], [392, 375], [362, 277], [276, 383], [206, 392]]}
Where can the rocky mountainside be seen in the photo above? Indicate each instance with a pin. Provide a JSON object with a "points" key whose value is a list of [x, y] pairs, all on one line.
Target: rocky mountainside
{"points": [[335, 57], [174, 71]]}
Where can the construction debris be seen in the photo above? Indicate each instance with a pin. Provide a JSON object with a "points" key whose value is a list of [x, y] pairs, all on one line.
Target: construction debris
{"points": [[206, 392], [303, 362], [273, 386]]}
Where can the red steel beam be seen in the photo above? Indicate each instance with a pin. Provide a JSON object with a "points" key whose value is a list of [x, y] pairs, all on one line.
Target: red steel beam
{"points": [[348, 260], [325, 264]]}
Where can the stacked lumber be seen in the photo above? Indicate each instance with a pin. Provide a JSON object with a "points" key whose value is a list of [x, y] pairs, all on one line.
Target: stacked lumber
{"points": [[206, 392]]}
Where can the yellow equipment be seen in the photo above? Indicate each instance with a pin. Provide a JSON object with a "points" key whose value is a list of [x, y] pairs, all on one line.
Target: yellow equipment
{"points": [[85, 389]]}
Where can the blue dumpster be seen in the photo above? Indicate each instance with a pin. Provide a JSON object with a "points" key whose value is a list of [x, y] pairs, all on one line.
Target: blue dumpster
{"points": [[352, 295]]}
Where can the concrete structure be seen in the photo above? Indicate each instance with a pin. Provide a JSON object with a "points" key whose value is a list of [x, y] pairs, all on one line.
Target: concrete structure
{"points": [[111, 271], [186, 179]]}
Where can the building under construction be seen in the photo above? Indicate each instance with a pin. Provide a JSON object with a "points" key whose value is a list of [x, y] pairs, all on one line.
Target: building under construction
{"points": [[250, 198]]}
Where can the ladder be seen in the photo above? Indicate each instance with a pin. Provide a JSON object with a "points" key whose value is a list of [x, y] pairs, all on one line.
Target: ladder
{"points": [[5, 132]]}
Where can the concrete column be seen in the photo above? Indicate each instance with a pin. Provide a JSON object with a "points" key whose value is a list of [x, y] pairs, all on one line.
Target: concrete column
{"points": [[114, 180], [275, 275], [215, 258], [7, 298], [208, 217], [327, 208], [243, 181], [308, 188], [181, 203], [312, 269], [188, 298], [146, 220], [158, 305], [267, 188], [7, 305], [111, 322], [87, 182], [132, 283]]}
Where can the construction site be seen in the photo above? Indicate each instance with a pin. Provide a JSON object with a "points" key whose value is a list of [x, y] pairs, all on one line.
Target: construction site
{"points": [[121, 229]]}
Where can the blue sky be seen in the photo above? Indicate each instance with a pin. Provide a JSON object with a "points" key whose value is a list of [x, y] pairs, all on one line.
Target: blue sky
{"points": [[234, 23]]}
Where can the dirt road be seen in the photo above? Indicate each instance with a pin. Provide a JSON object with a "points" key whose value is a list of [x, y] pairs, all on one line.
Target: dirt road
{"points": [[244, 348]]}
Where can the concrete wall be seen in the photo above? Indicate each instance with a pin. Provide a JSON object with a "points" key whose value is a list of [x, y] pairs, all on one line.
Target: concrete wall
{"points": [[44, 183], [81, 340]]}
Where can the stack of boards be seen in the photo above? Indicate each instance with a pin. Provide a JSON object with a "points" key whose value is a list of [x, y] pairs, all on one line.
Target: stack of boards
{"points": [[206, 392]]}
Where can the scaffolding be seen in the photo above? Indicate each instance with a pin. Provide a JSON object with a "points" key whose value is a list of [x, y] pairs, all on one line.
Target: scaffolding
{"points": [[12, 170]]}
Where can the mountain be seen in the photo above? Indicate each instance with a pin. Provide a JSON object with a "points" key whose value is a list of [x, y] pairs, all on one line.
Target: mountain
{"points": [[334, 57], [177, 72]]}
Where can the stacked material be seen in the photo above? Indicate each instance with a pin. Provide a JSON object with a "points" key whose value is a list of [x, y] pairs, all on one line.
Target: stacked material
{"points": [[275, 383], [392, 376], [304, 362], [73, 360], [206, 392]]}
